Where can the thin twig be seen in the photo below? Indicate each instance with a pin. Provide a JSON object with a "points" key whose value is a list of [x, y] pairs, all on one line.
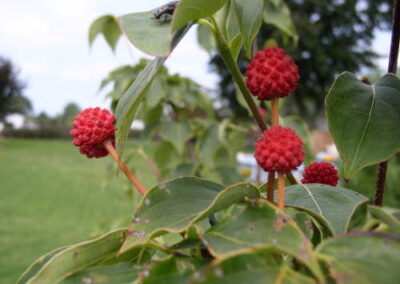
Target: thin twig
{"points": [[392, 68], [111, 150]]}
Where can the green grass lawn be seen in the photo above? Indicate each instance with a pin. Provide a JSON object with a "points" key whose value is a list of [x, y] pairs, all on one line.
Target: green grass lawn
{"points": [[52, 196]]}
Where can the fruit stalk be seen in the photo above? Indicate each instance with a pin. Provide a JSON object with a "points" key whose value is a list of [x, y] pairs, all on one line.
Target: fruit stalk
{"points": [[275, 111], [270, 186], [392, 68], [281, 191], [111, 150]]}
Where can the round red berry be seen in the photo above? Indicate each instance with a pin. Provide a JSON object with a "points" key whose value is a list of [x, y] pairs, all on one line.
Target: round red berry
{"points": [[92, 127], [272, 74], [320, 172], [279, 149]]}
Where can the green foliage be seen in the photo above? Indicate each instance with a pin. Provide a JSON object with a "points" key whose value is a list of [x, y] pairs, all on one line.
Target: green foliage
{"points": [[370, 258], [372, 111], [128, 105], [250, 15], [174, 206], [190, 229], [250, 268], [332, 206], [106, 25], [190, 10], [278, 14], [328, 37], [146, 34]]}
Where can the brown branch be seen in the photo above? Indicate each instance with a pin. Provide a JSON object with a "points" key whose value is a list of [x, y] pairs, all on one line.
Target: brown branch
{"points": [[392, 68]]}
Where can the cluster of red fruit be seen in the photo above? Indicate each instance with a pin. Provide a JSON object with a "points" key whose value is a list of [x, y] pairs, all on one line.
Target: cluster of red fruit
{"points": [[270, 75], [92, 127]]}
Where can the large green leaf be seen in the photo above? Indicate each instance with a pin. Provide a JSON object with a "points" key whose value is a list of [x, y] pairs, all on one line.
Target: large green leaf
{"points": [[190, 10], [260, 226], [332, 206], [128, 105], [38, 264], [250, 268], [278, 14], [362, 258], [386, 217], [250, 16], [364, 120], [75, 258], [122, 273], [150, 35], [177, 133], [106, 25], [174, 205]]}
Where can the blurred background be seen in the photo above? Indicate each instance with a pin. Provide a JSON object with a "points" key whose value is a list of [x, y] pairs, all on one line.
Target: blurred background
{"points": [[191, 123]]}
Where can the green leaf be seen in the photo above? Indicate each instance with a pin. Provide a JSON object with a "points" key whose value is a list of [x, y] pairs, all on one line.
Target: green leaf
{"points": [[332, 206], [177, 133], [250, 16], [128, 105], [387, 218], [165, 155], [173, 206], [250, 268], [37, 265], [372, 113], [147, 34], [190, 10], [362, 258], [231, 28], [205, 38], [257, 227], [116, 274], [172, 270], [208, 145], [301, 129], [76, 258], [106, 25], [277, 13]]}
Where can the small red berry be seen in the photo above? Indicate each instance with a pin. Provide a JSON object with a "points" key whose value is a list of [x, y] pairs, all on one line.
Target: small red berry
{"points": [[272, 74], [92, 127], [320, 172], [279, 149]]}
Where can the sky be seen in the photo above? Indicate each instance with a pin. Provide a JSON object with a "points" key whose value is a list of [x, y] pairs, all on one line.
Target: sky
{"points": [[47, 40]]}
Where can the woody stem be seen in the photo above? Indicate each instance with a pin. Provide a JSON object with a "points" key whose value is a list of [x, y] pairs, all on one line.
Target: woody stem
{"points": [[270, 186], [281, 191], [111, 150]]}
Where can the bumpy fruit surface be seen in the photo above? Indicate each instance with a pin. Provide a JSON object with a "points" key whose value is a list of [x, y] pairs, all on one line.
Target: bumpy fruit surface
{"points": [[320, 172], [92, 127], [279, 149], [272, 74]]}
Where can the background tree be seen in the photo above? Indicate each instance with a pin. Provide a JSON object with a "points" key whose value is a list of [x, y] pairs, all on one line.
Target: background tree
{"points": [[70, 112], [333, 36], [12, 99]]}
